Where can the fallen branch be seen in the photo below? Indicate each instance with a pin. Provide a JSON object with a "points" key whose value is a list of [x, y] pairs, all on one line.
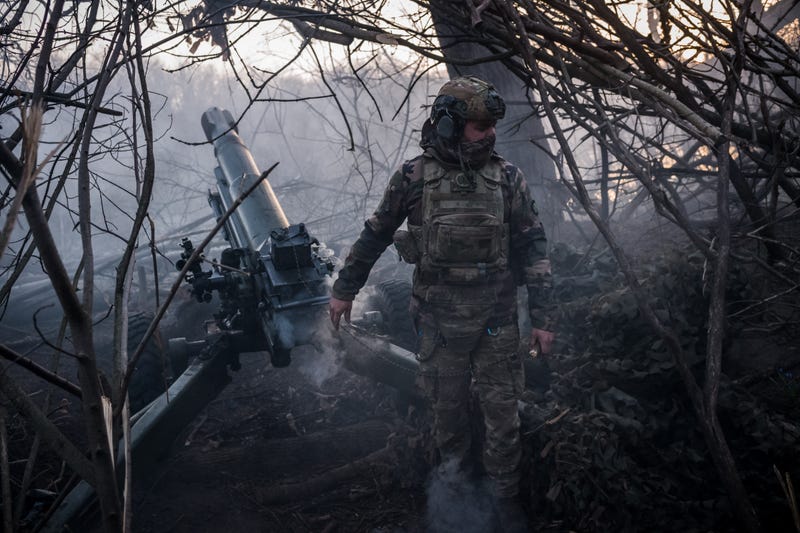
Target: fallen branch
{"points": [[50, 434], [292, 492], [315, 451]]}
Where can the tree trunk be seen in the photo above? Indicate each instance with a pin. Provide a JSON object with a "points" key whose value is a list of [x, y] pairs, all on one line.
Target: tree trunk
{"points": [[518, 132]]}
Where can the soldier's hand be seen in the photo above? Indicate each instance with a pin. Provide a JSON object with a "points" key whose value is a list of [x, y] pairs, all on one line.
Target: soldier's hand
{"points": [[338, 308], [542, 338]]}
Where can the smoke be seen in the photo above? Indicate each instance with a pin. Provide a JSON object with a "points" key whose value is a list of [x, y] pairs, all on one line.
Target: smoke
{"points": [[363, 302], [317, 353], [285, 328], [457, 503]]}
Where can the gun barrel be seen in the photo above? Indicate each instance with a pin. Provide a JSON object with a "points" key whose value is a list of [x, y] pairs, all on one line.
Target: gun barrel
{"points": [[260, 213]]}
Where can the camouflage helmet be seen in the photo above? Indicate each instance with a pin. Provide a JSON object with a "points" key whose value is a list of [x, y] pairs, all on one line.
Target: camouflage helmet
{"points": [[462, 99]]}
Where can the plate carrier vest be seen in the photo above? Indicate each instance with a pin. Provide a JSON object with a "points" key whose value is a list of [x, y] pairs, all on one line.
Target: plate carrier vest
{"points": [[464, 237]]}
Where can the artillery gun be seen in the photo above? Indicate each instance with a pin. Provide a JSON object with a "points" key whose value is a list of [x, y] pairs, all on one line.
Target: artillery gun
{"points": [[272, 284], [272, 273]]}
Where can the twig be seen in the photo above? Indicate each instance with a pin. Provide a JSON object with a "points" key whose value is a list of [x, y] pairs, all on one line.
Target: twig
{"points": [[27, 476], [41, 333], [61, 99], [309, 32], [39, 370], [5, 478], [475, 11], [32, 124], [788, 491]]}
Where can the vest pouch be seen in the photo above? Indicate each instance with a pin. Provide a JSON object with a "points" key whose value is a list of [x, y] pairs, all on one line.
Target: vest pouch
{"points": [[406, 246], [464, 240]]}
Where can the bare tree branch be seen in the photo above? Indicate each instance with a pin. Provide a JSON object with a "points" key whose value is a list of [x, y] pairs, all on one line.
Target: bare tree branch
{"points": [[39, 370]]}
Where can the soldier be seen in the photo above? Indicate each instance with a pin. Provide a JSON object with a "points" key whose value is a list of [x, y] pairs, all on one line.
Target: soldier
{"points": [[474, 235]]}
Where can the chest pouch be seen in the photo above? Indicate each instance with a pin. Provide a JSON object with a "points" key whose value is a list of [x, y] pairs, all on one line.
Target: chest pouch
{"points": [[464, 240], [464, 237]]}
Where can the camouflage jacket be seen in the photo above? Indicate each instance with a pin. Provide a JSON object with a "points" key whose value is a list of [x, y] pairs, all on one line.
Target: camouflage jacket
{"points": [[528, 245]]}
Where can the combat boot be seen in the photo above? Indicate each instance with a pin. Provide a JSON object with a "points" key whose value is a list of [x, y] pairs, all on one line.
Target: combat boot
{"points": [[510, 516]]}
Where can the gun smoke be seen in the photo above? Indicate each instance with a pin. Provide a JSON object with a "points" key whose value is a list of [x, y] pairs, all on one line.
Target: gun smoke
{"points": [[457, 502], [317, 352]]}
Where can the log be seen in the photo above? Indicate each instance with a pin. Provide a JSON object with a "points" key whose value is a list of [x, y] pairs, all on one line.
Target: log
{"points": [[272, 458], [293, 492]]}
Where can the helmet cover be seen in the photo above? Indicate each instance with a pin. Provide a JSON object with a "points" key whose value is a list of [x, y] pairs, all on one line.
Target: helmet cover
{"points": [[481, 99]]}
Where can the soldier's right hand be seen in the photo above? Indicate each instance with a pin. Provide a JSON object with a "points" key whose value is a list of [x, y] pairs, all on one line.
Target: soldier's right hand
{"points": [[338, 308], [543, 339]]}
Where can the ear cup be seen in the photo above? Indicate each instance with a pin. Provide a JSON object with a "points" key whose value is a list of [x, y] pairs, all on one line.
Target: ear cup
{"points": [[446, 128], [448, 114]]}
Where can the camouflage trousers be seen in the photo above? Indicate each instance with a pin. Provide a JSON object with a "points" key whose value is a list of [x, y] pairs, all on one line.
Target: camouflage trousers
{"points": [[494, 368]]}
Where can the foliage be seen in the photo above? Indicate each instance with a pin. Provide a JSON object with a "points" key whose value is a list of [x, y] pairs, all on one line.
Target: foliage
{"points": [[604, 318], [622, 450]]}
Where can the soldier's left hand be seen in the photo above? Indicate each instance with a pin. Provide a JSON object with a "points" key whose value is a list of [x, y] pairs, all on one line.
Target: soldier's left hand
{"points": [[542, 338]]}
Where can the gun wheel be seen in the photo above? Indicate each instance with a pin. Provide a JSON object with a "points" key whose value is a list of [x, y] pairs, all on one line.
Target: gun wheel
{"points": [[150, 378], [392, 299]]}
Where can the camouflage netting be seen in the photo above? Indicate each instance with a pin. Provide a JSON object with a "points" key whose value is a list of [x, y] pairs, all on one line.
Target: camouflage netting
{"points": [[614, 444]]}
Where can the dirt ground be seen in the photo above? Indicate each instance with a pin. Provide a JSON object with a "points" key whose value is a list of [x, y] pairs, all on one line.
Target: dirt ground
{"points": [[610, 443], [272, 427]]}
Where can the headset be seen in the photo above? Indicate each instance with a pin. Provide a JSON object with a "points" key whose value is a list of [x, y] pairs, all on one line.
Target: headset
{"points": [[449, 114]]}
